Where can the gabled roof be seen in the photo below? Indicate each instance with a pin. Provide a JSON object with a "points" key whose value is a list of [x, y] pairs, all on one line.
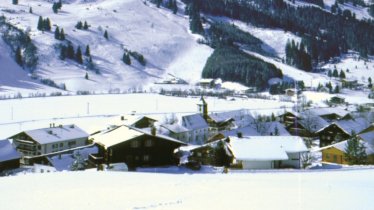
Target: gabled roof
{"points": [[328, 111], [245, 131], [7, 151], [264, 148], [368, 137], [193, 122], [175, 128], [125, 133], [56, 134], [348, 126], [241, 117], [313, 122]]}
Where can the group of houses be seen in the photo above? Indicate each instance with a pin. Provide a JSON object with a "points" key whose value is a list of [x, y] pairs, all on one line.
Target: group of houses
{"points": [[232, 138]]}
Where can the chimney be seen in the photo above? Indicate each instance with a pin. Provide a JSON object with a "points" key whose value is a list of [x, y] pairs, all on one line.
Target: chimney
{"points": [[153, 131]]}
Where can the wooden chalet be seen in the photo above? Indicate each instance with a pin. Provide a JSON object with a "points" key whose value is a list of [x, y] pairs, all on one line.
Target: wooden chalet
{"points": [[9, 157], [137, 147]]}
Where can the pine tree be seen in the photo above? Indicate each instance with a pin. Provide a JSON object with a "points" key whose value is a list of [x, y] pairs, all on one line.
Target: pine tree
{"points": [[85, 25], [106, 34], [126, 58], [355, 151], [342, 74], [329, 73], [63, 53], [15, 2], [47, 24], [175, 7], [18, 56], [59, 4], [370, 84], [62, 34], [30, 10], [87, 52], [79, 25], [70, 52], [337, 89], [78, 55], [55, 8], [335, 73], [195, 21], [86, 76], [40, 24], [57, 33]]}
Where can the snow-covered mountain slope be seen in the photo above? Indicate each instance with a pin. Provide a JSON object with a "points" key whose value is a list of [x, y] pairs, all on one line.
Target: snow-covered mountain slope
{"points": [[343, 190], [13, 78], [162, 37], [359, 11]]}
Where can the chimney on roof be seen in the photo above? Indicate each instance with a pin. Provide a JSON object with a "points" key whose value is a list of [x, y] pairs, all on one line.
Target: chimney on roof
{"points": [[153, 131]]}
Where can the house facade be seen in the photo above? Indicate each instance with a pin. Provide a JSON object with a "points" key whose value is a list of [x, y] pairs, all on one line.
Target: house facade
{"points": [[49, 140], [137, 148]]}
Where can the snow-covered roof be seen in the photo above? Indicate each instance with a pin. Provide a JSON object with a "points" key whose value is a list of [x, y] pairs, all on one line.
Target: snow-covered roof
{"points": [[356, 125], [115, 136], [262, 148], [64, 161], [368, 137], [56, 134], [126, 133], [313, 122], [328, 111], [175, 128], [7, 151], [245, 131], [240, 116], [193, 122], [343, 144]]}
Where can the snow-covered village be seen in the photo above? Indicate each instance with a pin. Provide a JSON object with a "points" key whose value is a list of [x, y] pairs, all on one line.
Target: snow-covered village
{"points": [[186, 104]]}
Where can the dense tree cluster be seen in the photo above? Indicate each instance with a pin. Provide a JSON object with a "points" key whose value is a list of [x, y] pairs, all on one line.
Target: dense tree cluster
{"points": [[297, 55], [231, 64], [59, 34], [82, 26], [193, 10], [139, 57], [221, 33], [56, 6], [324, 30]]}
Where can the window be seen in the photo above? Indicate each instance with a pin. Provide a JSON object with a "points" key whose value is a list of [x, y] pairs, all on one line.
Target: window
{"points": [[146, 158], [39, 147], [135, 144], [71, 143], [335, 158], [148, 143], [61, 144], [327, 156]]}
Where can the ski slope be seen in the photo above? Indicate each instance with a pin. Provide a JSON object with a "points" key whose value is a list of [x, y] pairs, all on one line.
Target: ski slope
{"points": [[162, 37], [343, 190]]}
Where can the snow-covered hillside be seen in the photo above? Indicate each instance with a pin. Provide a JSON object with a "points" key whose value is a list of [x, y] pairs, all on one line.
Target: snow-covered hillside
{"points": [[162, 37], [343, 190]]}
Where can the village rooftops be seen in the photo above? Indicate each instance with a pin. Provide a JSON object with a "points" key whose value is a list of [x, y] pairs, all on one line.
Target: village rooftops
{"points": [[343, 145], [195, 121], [328, 111], [368, 137], [262, 148], [56, 134], [7, 151]]}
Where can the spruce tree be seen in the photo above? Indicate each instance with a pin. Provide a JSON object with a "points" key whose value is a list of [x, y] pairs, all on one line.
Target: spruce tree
{"points": [[78, 55], [47, 24], [329, 73], [63, 52], [337, 89], [18, 56], [70, 52], [57, 33], [174, 7], [85, 25], [355, 151], [126, 58], [62, 34], [106, 34], [342, 74], [79, 25], [370, 83], [335, 73], [59, 4], [86, 76], [55, 8], [87, 52], [195, 21], [30, 10], [40, 24]]}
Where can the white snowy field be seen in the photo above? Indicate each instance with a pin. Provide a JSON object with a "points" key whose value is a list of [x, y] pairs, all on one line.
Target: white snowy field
{"points": [[336, 190], [96, 111], [161, 36]]}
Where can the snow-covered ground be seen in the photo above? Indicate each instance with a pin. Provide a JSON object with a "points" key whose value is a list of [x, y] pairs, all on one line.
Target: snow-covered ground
{"points": [[343, 190], [360, 12], [95, 112], [354, 67], [162, 37]]}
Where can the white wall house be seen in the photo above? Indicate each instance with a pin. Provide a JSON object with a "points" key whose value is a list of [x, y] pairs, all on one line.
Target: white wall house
{"points": [[268, 152], [49, 140]]}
